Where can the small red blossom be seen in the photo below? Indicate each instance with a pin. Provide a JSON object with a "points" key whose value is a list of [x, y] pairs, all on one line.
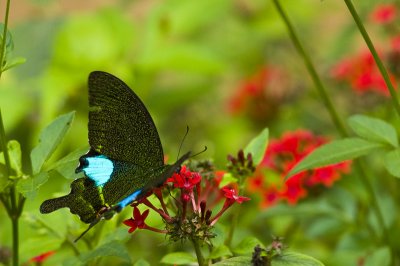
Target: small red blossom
{"points": [[137, 221], [185, 179], [232, 196], [281, 156], [42, 257], [384, 13]]}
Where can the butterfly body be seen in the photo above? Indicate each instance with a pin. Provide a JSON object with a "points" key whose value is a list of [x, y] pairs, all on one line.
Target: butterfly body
{"points": [[125, 160]]}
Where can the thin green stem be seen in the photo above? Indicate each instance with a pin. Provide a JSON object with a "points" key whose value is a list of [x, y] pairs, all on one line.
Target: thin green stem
{"points": [[199, 255], [311, 69], [3, 43], [334, 116], [374, 53], [15, 234]]}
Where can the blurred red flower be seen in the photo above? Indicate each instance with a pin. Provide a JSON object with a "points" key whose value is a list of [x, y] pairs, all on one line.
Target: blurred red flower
{"points": [[384, 13], [42, 257], [259, 95], [362, 74], [281, 156]]}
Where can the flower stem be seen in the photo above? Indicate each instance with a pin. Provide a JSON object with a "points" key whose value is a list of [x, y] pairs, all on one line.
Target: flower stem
{"points": [[3, 43], [374, 53], [199, 255], [360, 169], [311, 70]]}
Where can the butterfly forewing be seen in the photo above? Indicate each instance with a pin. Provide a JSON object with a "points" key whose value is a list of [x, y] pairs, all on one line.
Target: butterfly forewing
{"points": [[120, 126]]}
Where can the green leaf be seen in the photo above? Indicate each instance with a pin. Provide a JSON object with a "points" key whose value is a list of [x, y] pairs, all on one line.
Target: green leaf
{"points": [[235, 261], [294, 259], [178, 258], [381, 257], [373, 129], [141, 262], [16, 61], [34, 246], [392, 162], [113, 248], [9, 40], [227, 179], [246, 246], [14, 151], [4, 182], [66, 165], [257, 146], [49, 139], [335, 152], [28, 186], [220, 251]]}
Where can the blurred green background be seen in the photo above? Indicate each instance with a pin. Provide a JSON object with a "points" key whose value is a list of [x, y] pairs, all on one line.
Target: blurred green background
{"points": [[186, 60]]}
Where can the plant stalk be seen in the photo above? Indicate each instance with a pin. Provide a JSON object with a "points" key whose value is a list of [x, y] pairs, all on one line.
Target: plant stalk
{"points": [[199, 255], [4, 41], [375, 55], [334, 116]]}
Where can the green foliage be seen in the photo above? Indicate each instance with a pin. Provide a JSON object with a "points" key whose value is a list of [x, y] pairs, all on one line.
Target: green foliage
{"points": [[294, 259], [178, 258], [257, 146], [49, 139]]}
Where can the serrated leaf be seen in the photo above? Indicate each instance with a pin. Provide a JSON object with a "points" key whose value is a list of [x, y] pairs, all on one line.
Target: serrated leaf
{"points": [[235, 261], [14, 151], [110, 249], [294, 259], [178, 258], [220, 251], [392, 162], [373, 129], [49, 139], [381, 257], [29, 186], [335, 152], [258, 146], [246, 246]]}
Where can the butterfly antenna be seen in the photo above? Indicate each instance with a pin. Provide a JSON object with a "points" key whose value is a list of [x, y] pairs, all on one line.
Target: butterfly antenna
{"points": [[200, 152], [183, 140], [90, 226]]}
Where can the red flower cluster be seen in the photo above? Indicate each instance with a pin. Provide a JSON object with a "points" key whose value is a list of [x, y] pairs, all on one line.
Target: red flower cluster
{"points": [[191, 206], [362, 74], [260, 94], [384, 13], [360, 70], [281, 156]]}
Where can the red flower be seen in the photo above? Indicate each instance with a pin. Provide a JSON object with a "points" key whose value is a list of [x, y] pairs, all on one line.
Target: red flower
{"points": [[42, 257], [384, 13], [259, 95], [361, 73], [281, 156], [185, 179], [231, 196], [137, 221]]}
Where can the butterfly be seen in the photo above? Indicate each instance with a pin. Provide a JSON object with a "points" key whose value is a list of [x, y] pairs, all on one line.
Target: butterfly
{"points": [[125, 161]]}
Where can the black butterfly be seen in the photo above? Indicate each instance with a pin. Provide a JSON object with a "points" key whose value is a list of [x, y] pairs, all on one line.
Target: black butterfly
{"points": [[125, 160]]}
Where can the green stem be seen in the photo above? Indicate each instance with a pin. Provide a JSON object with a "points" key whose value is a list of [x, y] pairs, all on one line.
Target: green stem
{"points": [[374, 53], [15, 234], [199, 255], [311, 69], [3, 43], [335, 118]]}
